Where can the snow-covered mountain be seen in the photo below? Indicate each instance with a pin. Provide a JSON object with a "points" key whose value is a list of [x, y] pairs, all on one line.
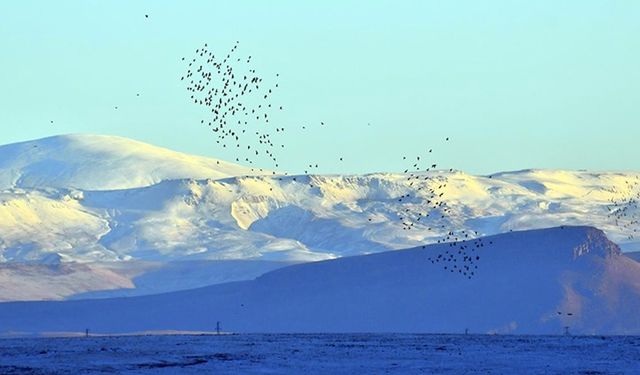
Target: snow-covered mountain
{"points": [[526, 282], [85, 198], [96, 162]]}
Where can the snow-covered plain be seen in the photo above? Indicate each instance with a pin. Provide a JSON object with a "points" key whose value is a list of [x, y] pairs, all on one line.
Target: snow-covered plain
{"points": [[323, 354], [97, 200]]}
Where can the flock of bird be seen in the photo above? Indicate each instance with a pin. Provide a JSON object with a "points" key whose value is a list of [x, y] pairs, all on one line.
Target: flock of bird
{"points": [[623, 207], [427, 190], [430, 212], [462, 256], [238, 108], [237, 102]]}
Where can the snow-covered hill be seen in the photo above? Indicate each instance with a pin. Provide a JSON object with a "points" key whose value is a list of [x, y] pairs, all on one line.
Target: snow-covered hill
{"points": [[527, 282], [85, 198], [96, 162]]}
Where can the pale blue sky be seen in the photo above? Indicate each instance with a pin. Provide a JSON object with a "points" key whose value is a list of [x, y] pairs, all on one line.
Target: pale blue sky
{"points": [[515, 84]]}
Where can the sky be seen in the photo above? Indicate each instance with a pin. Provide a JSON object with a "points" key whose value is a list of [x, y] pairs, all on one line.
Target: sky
{"points": [[513, 84]]}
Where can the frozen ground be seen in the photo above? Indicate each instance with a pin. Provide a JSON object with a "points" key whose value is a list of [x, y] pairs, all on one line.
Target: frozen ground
{"points": [[323, 354]]}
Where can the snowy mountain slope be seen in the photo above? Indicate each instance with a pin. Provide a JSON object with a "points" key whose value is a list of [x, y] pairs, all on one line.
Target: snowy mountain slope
{"points": [[166, 277], [285, 218], [30, 281], [60, 204], [95, 162], [528, 282]]}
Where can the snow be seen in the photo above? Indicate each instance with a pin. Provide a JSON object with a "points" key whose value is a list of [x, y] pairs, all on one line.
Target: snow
{"points": [[522, 281], [96, 162], [94, 199], [322, 354], [240, 218], [155, 278]]}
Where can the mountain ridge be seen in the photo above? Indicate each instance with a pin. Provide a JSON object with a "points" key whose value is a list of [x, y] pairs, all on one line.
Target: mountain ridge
{"points": [[527, 283], [273, 218]]}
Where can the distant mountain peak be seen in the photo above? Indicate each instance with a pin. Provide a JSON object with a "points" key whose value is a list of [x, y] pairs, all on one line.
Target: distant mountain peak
{"points": [[101, 162]]}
